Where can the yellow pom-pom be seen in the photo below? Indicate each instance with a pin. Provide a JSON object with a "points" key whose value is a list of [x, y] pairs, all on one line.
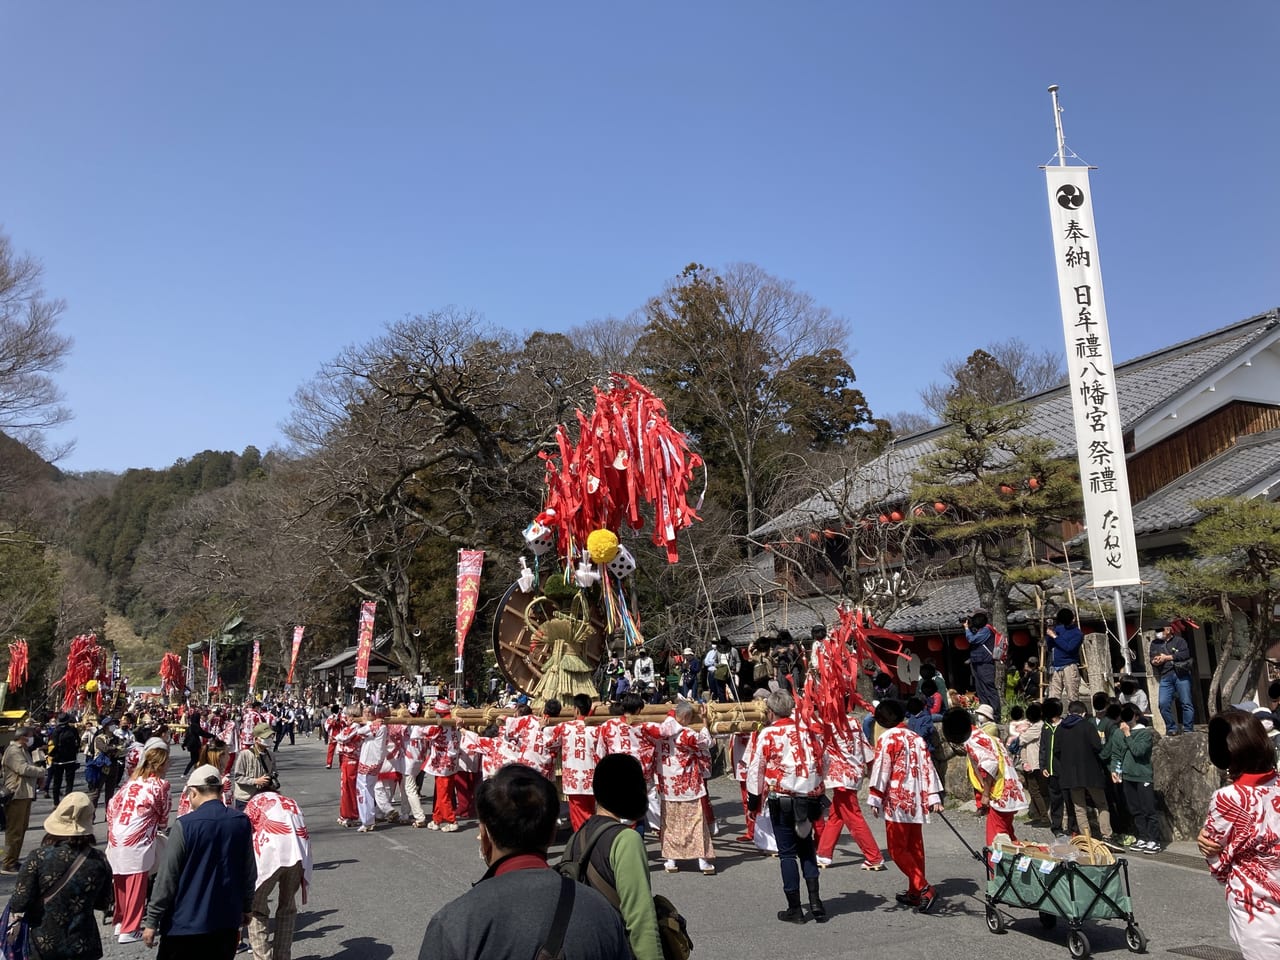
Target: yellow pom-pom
{"points": [[91, 686], [602, 545]]}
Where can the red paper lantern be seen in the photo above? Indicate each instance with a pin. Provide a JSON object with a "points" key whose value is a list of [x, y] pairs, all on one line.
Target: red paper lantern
{"points": [[1006, 489], [1034, 483], [813, 536], [896, 517], [939, 507], [1021, 638], [962, 643], [917, 512], [935, 644], [830, 534], [884, 518]]}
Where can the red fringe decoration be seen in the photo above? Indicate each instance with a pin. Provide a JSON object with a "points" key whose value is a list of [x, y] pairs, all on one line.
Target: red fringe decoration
{"points": [[18, 661], [831, 688], [84, 663], [172, 673]]}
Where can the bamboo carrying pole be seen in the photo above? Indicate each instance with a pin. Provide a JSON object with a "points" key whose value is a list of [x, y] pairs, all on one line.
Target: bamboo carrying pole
{"points": [[724, 718]]}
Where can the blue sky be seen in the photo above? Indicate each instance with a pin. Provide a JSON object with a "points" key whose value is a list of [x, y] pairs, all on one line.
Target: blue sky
{"points": [[228, 194]]}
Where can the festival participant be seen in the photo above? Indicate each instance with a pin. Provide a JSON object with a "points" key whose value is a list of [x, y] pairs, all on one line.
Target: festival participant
{"points": [[250, 717], [844, 767], [618, 735], [212, 754], [487, 747], [349, 740], [409, 761], [526, 741], [741, 748], [230, 735], [1241, 834], [788, 764], [442, 765], [575, 743], [681, 753], [390, 777], [373, 751], [904, 787], [282, 854], [333, 725], [135, 815], [997, 791]]}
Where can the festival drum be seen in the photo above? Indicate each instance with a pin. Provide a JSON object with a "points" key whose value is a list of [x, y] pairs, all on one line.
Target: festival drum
{"points": [[520, 657]]}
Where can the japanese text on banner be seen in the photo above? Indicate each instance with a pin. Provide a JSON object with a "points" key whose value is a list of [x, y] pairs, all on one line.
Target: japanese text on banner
{"points": [[364, 646]]}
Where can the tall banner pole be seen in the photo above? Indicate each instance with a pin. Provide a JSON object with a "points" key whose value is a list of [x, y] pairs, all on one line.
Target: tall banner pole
{"points": [[298, 631], [470, 563], [1095, 406], [253, 669]]}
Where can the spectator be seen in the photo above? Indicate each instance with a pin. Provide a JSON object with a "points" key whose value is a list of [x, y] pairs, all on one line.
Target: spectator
{"points": [[643, 669], [617, 865], [107, 754], [1170, 655], [64, 751], [1049, 768], [982, 663], [689, 674], [204, 888], [22, 779], [1065, 642], [1131, 692], [1239, 835], [1029, 751], [1081, 776], [1029, 681], [62, 882], [1133, 771], [135, 816], [255, 768], [929, 674], [191, 741], [509, 913], [282, 851]]}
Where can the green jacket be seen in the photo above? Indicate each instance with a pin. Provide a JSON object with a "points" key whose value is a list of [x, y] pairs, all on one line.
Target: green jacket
{"points": [[1112, 747], [1134, 763]]}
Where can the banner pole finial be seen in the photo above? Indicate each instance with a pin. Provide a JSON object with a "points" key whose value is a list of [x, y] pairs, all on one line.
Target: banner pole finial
{"points": [[1057, 123]]}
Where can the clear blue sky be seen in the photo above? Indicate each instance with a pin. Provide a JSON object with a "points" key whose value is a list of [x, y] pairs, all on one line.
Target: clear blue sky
{"points": [[228, 194]]}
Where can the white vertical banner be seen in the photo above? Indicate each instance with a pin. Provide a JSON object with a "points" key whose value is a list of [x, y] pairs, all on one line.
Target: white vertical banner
{"points": [[1108, 511]]}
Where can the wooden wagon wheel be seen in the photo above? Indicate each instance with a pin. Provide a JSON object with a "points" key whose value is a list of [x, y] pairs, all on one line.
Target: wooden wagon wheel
{"points": [[519, 657]]}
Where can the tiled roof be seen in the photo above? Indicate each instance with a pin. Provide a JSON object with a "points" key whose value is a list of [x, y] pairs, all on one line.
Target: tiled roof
{"points": [[1252, 462], [941, 604], [1145, 385]]}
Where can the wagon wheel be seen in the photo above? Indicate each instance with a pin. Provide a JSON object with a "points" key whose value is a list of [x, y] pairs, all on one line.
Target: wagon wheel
{"points": [[1078, 945], [521, 659]]}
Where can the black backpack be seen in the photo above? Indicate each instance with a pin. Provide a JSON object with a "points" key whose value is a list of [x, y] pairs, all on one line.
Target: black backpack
{"points": [[576, 864]]}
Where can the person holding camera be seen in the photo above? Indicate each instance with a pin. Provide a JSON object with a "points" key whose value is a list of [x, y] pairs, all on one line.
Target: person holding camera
{"points": [[982, 661], [1170, 655]]}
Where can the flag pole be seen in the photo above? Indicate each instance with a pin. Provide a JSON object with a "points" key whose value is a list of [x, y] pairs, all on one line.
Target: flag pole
{"points": [[1057, 123]]}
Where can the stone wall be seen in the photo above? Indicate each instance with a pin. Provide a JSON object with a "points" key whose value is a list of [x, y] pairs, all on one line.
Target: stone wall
{"points": [[1185, 782]]}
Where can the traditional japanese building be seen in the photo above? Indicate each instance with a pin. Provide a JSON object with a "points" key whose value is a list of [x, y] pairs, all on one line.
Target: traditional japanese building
{"points": [[1201, 418]]}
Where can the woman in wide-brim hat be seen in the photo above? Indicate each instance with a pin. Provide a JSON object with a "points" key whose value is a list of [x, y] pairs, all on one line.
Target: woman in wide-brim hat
{"points": [[74, 876]]}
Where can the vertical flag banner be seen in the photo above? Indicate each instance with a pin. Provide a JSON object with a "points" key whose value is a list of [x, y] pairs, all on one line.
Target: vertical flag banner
{"points": [[364, 646], [470, 563], [253, 669], [191, 670], [293, 657], [211, 680], [1092, 380]]}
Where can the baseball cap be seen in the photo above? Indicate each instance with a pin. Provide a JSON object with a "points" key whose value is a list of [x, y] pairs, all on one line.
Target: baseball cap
{"points": [[205, 776]]}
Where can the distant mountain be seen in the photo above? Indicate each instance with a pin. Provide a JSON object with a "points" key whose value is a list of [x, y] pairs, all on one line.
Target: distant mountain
{"points": [[18, 462]]}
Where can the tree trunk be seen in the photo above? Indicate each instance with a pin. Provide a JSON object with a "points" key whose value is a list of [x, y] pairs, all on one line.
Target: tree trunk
{"points": [[1224, 649]]}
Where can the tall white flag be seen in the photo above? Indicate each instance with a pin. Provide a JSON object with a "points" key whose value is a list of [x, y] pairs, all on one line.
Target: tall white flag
{"points": [[1108, 510]]}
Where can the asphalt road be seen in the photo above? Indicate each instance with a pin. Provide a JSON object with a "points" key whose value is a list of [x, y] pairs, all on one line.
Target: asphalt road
{"points": [[372, 894]]}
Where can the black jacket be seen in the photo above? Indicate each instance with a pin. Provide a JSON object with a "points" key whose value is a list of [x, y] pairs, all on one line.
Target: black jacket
{"points": [[1076, 754]]}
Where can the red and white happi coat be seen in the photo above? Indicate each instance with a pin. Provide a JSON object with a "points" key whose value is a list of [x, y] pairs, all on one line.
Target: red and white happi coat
{"points": [[412, 754], [137, 812], [683, 758], [527, 744], [903, 781], [988, 754], [443, 748], [616, 735], [350, 738], [575, 743], [373, 748], [248, 720], [1244, 819], [280, 837], [489, 749], [132, 757], [788, 760], [231, 736], [846, 756]]}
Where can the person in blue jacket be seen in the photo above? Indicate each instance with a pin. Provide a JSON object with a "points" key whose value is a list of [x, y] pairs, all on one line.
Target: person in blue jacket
{"points": [[982, 661], [1065, 641]]}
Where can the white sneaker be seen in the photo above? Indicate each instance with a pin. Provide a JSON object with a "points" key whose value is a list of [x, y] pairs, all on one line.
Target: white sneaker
{"points": [[135, 937], [433, 825], [365, 828], [824, 862], [116, 932], [448, 828]]}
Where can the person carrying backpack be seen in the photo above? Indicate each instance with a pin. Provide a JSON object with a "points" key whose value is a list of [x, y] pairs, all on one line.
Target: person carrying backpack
{"points": [[609, 856]]}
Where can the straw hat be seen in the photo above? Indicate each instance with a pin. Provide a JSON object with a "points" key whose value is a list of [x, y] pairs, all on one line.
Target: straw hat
{"points": [[985, 712], [73, 817]]}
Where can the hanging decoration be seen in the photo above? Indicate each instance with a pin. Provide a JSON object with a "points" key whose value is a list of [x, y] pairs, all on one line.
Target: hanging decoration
{"points": [[564, 672], [85, 663], [18, 663], [172, 676]]}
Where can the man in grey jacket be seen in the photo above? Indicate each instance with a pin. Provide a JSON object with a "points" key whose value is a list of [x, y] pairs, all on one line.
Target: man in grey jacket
{"points": [[1170, 656], [509, 912]]}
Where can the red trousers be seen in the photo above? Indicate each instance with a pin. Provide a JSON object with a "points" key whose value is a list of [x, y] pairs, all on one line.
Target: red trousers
{"points": [[906, 848], [464, 785], [751, 817], [998, 822], [581, 808], [442, 809], [347, 808], [845, 812], [328, 757], [131, 897]]}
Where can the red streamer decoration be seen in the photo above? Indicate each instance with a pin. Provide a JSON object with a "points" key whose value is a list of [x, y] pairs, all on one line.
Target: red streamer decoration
{"points": [[84, 663], [18, 662], [172, 673], [627, 454]]}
